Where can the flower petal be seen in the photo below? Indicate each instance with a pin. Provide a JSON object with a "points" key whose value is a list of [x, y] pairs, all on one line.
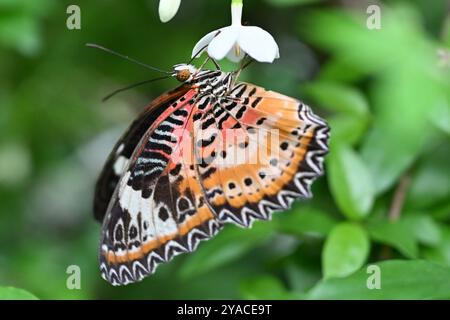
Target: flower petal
{"points": [[258, 43], [202, 44], [223, 43], [168, 9], [235, 55]]}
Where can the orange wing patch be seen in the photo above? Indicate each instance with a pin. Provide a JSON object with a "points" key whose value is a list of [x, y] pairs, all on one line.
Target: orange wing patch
{"points": [[269, 152]]}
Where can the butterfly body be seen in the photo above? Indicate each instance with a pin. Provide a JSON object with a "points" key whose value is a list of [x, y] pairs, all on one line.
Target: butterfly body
{"points": [[211, 152]]}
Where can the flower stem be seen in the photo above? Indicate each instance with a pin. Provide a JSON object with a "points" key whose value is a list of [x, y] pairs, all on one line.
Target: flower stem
{"points": [[236, 2]]}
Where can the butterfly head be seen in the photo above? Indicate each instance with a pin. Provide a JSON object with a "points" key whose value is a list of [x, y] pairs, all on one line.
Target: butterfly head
{"points": [[184, 72]]}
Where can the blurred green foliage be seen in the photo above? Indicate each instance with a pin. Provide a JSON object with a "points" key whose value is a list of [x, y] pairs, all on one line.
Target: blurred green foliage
{"points": [[385, 199]]}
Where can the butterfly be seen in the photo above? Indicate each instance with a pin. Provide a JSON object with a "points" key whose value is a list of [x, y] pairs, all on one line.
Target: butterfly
{"points": [[210, 152]]}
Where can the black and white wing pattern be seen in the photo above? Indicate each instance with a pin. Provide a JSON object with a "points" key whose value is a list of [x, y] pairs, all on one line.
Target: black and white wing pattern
{"points": [[122, 151]]}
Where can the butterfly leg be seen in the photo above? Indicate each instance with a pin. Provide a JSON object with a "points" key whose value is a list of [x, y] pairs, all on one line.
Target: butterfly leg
{"points": [[204, 62], [216, 64], [244, 64]]}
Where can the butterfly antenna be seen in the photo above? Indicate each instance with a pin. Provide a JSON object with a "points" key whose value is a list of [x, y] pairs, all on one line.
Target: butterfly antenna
{"points": [[207, 59], [197, 53], [132, 86], [201, 49], [92, 45]]}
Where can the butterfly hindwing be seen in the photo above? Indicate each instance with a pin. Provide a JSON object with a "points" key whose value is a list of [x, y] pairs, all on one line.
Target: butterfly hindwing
{"points": [[158, 209]]}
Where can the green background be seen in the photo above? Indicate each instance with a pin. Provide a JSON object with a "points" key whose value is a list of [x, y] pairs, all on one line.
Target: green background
{"points": [[385, 199]]}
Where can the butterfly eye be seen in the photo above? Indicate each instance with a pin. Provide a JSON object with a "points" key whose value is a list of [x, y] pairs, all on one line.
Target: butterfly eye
{"points": [[183, 75]]}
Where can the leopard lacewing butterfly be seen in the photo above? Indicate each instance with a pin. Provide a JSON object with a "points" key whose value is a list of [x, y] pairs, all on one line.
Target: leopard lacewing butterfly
{"points": [[174, 178]]}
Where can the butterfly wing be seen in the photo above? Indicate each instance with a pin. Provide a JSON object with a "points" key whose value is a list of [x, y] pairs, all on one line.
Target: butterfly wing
{"points": [[157, 210], [270, 150], [121, 153], [203, 163]]}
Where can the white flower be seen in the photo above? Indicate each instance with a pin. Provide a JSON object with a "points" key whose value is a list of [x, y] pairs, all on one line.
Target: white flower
{"points": [[168, 9], [236, 40]]}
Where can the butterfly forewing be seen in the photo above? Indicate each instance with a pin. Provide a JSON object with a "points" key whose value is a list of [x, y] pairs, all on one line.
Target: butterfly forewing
{"points": [[269, 150]]}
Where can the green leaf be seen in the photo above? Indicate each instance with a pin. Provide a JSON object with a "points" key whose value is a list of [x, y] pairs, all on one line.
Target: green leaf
{"points": [[337, 97], [265, 287], [441, 252], [303, 221], [302, 275], [351, 106], [400, 139], [405, 234], [231, 244], [395, 234], [399, 280], [400, 119], [440, 117], [347, 129], [350, 182], [431, 182], [345, 251], [424, 228], [339, 69], [11, 293], [442, 212], [20, 32]]}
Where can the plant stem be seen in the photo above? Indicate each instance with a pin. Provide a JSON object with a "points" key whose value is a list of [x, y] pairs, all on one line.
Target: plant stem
{"points": [[395, 210], [399, 197]]}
